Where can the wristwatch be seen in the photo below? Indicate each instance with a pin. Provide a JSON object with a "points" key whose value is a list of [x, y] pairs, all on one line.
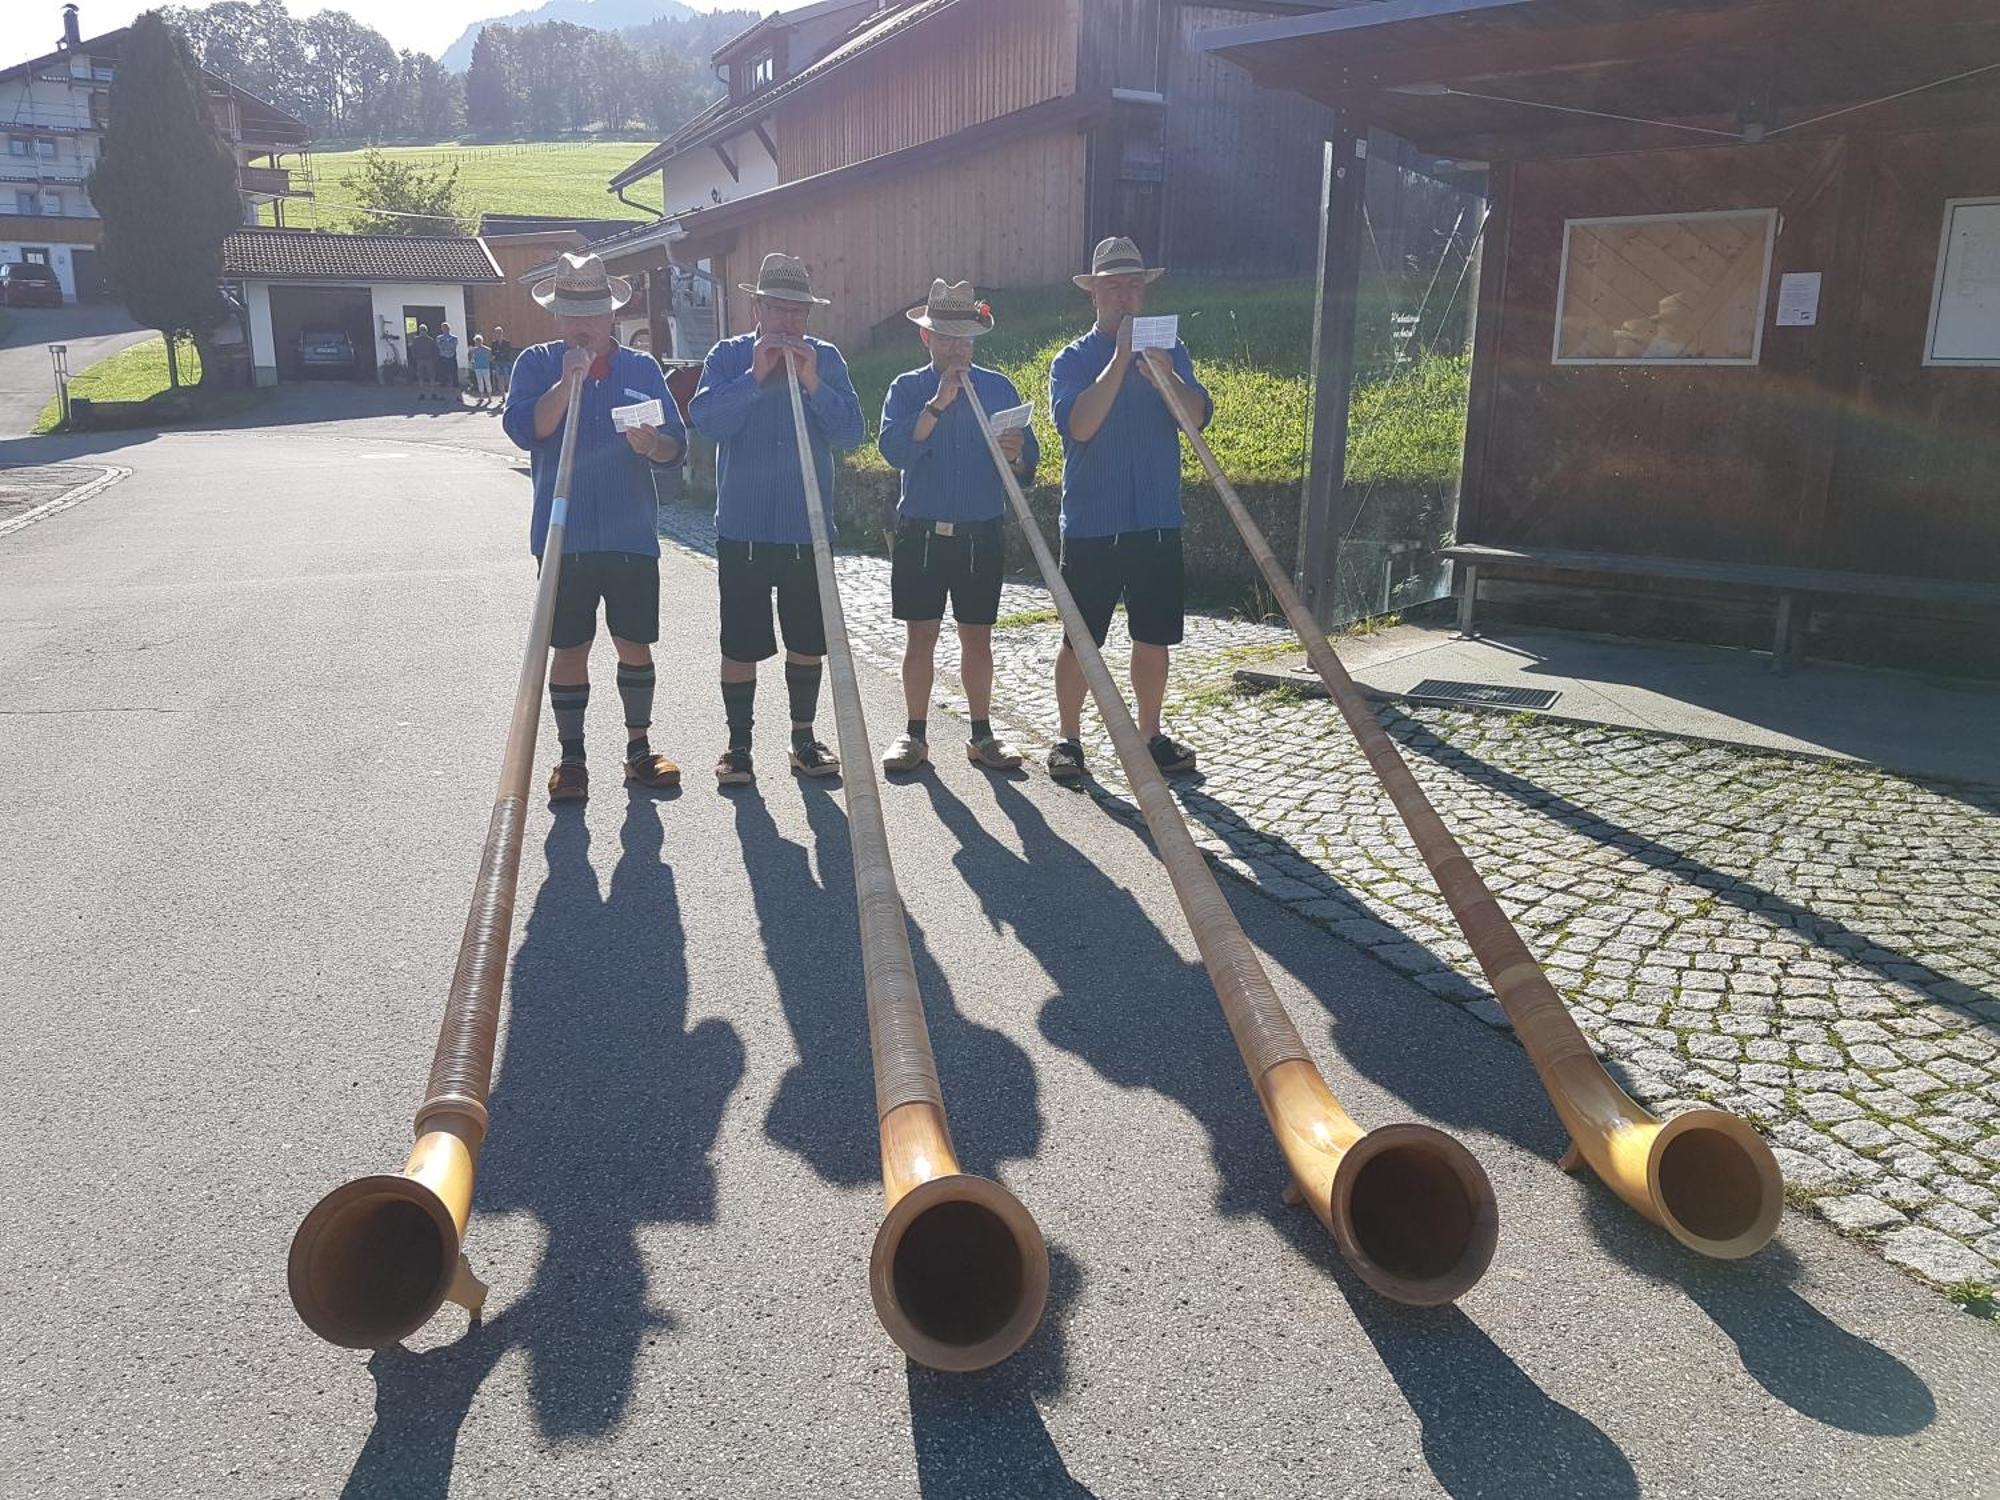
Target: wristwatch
{"points": [[936, 411]]}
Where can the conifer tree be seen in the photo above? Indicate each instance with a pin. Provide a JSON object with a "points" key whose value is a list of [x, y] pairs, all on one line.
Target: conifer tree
{"points": [[165, 187]]}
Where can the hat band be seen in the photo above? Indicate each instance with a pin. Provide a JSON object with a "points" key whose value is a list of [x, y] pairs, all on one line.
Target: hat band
{"points": [[1117, 267]]}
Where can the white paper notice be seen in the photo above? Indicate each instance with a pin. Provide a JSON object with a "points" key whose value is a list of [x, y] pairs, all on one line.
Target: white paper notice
{"points": [[1156, 333], [1798, 299], [643, 414], [1011, 418]]}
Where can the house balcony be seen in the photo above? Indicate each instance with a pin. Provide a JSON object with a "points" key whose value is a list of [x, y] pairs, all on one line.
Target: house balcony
{"points": [[277, 181]]}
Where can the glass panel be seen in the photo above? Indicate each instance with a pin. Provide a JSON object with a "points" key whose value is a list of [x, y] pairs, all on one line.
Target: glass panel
{"points": [[1684, 287]]}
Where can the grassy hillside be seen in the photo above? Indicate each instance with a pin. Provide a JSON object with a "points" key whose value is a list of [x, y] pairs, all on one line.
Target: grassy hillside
{"points": [[537, 177], [1252, 345]]}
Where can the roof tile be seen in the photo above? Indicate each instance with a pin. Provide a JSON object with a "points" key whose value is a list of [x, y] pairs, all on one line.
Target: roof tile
{"points": [[310, 255]]}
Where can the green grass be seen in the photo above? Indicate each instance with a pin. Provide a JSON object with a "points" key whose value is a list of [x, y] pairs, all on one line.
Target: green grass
{"points": [[1977, 1298], [140, 374], [547, 177], [1252, 345], [1022, 618]]}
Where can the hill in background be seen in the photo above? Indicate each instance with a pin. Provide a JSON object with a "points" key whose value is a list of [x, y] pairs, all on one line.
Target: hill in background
{"points": [[598, 15], [558, 177]]}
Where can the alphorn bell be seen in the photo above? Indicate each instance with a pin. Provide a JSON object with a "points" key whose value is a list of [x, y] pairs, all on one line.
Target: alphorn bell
{"points": [[1410, 1208], [959, 1272], [1706, 1176], [377, 1257]]}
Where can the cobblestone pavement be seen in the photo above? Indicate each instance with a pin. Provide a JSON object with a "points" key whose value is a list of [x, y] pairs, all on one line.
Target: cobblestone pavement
{"points": [[1813, 945]]}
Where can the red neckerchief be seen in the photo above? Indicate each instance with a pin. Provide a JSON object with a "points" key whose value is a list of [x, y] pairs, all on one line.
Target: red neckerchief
{"points": [[600, 367]]}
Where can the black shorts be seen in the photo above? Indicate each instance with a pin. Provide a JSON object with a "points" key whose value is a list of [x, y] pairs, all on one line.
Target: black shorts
{"points": [[629, 585], [1144, 567], [964, 566], [750, 572]]}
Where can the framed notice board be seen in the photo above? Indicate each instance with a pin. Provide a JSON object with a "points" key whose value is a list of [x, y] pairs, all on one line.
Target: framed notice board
{"points": [[1965, 302]]}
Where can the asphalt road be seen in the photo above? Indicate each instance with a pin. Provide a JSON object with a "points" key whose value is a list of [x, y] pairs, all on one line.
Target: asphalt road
{"points": [[256, 696], [27, 380]]}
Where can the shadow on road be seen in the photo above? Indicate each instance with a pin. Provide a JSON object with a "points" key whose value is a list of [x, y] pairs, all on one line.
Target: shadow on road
{"points": [[603, 1121], [1125, 1001], [1788, 1346], [981, 1436], [824, 1108]]}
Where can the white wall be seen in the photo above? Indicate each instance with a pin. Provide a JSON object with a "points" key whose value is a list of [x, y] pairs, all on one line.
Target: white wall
{"points": [[263, 338], [687, 181], [390, 298]]}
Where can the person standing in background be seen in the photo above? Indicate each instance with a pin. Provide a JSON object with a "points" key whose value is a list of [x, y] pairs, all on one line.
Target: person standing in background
{"points": [[424, 361], [481, 359], [447, 348]]}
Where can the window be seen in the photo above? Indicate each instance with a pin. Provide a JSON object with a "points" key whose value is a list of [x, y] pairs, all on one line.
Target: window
{"points": [[1965, 301], [45, 148], [52, 204], [27, 201], [18, 147], [1685, 289], [763, 72], [103, 70]]}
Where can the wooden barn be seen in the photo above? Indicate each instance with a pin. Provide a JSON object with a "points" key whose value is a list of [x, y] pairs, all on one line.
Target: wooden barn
{"points": [[997, 140], [1737, 353]]}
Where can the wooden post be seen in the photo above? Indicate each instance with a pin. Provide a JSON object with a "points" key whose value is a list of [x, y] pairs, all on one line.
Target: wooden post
{"points": [[1342, 184]]}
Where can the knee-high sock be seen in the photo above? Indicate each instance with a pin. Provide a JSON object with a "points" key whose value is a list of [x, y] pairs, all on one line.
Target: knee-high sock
{"points": [[802, 683], [635, 686], [738, 698], [569, 700]]}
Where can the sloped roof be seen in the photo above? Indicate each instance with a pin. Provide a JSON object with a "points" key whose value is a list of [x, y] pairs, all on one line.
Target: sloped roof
{"points": [[728, 116], [262, 119], [310, 255]]}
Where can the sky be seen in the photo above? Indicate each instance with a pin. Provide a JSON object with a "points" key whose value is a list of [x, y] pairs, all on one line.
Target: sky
{"points": [[29, 28]]}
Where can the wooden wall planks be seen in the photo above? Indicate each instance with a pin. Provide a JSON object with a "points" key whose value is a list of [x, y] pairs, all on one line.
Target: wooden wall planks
{"points": [[966, 65], [1013, 217]]}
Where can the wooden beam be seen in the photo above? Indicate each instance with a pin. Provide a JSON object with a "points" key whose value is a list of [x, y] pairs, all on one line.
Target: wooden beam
{"points": [[1343, 181], [770, 146], [728, 165], [1489, 309]]}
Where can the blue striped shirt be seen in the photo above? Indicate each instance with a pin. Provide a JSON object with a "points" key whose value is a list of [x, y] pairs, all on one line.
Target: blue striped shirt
{"points": [[611, 499], [949, 476], [760, 495], [1128, 476]]}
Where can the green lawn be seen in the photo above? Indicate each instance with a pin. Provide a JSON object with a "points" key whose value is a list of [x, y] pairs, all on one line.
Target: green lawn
{"points": [[537, 177], [1252, 345], [140, 374]]}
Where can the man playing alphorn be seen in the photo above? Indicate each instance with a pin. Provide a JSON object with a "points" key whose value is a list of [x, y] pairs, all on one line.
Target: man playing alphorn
{"points": [[948, 536], [1121, 497], [611, 543], [763, 541]]}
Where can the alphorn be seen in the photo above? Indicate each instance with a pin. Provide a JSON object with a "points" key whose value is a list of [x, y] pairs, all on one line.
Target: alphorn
{"points": [[1706, 1176], [958, 1272], [378, 1256], [1410, 1208]]}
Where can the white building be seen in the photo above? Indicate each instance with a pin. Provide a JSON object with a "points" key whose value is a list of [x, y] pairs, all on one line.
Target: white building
{"points": [[52, 115], [375, 288]]}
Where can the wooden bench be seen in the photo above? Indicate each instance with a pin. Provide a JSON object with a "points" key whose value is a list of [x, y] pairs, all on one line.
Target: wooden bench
{"points": [[1797, 588]]}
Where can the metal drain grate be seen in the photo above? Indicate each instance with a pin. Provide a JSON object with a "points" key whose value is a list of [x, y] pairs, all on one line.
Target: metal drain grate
{"points": [[1485, 694]]}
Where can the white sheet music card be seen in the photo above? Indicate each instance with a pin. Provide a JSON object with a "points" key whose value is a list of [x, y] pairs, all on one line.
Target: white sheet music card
{"points": [[640, 414], [1011, 418], [1156, 333]]}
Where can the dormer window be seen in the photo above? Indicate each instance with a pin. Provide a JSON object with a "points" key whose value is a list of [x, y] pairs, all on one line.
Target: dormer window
{"points": [[760, 73]]}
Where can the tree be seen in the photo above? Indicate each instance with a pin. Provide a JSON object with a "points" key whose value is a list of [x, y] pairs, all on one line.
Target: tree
{"points": [[489, 82], [165, 189], [403, 199]]}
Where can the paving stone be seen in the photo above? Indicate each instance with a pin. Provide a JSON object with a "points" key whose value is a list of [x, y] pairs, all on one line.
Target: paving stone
{"points": [[1828, 1108], [1863, 1135], [1857, 1212], [1954, 1220], [1935, 1255], [1903, 1192]]}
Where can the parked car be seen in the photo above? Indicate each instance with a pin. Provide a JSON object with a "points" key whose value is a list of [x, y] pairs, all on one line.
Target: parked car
{"points": [[325, 350], [26, 283]]}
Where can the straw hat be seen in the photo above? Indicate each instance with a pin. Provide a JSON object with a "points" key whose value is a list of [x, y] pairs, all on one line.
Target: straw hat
{"points": [[581, 289], [954, 311], [785, 279], [1118, 256]]}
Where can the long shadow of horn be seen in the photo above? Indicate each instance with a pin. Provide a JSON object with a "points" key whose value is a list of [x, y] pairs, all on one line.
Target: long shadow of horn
{"points": [[607, 1107], [1788, 1346], [1488, 1429], [981, 1436]]}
